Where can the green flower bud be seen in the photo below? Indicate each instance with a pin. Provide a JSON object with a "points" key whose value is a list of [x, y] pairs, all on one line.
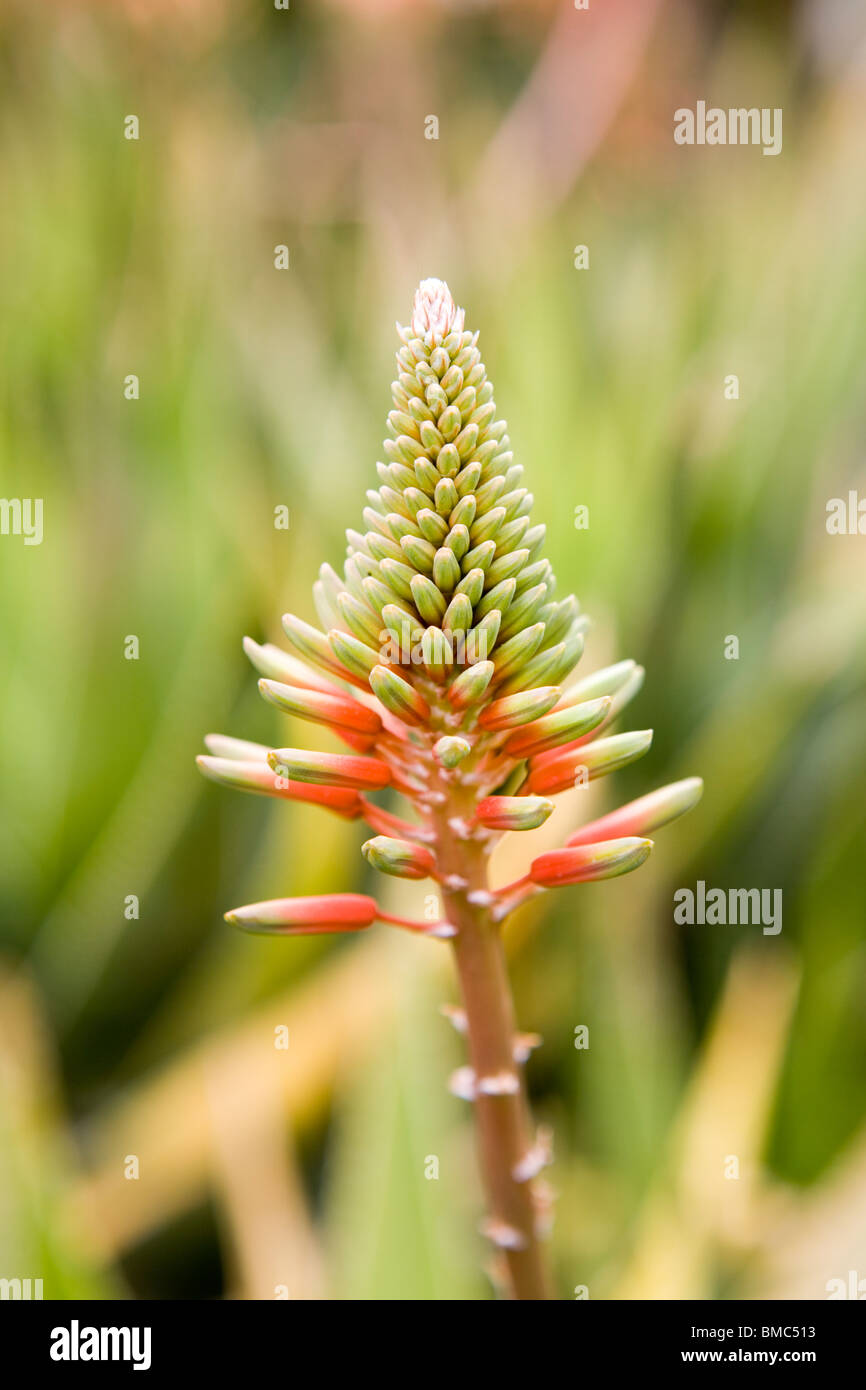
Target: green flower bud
{"points": [[428, 599], [485, 633], [472, 585], [467, 478], [470, 687], [445, 497], [486, 526], [357, 657], [433, 527], [513, 812], [329, 769], [416, 500], [451, 750], [504, 566], [398, 696], [562, 726], [360, 618], [398, 576], [448, 461], [458, 614], [419, 553], [592, 760], [527, 609], [446, 569], [312, 645], [512, 655], [463, 513], [401, 858], [457, 540], [427, 475], [499, 596], [512, 711], [480, 557]]}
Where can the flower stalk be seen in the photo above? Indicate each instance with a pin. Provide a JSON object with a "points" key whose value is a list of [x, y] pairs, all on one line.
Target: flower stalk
{"points": [[494, 1082], [444, 663]]}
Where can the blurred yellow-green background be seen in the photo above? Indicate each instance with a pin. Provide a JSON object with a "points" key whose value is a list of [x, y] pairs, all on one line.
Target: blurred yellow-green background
{"points": [[146, 1044]]}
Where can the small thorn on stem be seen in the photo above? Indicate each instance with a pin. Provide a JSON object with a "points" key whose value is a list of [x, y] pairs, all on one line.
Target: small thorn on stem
{"points": [[537, 1158], [504, 906], [460, 827], [461, 1083], [456, 1017], [465, 1084], [524, 1045], [503, 1236], [441, 930], [504, 1083], [481, 898], [496, 1269], [543, 1198]]}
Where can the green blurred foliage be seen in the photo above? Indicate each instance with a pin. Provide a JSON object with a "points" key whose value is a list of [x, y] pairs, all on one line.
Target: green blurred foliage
{"points": [[261, 388]]}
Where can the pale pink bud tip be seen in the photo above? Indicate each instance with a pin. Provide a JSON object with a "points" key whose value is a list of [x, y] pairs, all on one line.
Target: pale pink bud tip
{"points": [[434, 313], [331, 912]]}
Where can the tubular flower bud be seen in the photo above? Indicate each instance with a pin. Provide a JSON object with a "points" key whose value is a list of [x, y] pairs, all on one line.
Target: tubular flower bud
{"points": [[236, 749], [585, 764], [560, 727], [336, 710], [585, 863], [513, 812], [401, 858], [260, 777], [604, 682], [644, 815], [398, 696], [329, 769], [512, 711], [470, 686], [332, 912], [278, 665], [312, 645]]}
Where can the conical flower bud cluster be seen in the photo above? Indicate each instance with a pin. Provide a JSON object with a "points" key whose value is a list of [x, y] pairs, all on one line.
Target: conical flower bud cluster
{"points": [[442, 647], [447, 573], [443, 662]]}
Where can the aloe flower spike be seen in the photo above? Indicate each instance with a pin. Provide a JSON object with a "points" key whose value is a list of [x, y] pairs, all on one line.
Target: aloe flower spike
{"points": [[445, 662]]}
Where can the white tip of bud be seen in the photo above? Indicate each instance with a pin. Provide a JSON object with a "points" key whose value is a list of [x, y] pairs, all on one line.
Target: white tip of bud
{"points": [[434, 313]]}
